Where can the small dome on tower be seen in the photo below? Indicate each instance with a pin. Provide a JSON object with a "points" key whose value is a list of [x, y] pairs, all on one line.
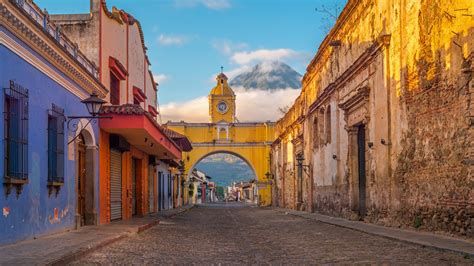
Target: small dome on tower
{"points": [[222, 87], [221, 78]]}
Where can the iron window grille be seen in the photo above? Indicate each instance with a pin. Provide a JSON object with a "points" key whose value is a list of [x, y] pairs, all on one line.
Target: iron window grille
{"points": [[15, 136], [56, 122]]}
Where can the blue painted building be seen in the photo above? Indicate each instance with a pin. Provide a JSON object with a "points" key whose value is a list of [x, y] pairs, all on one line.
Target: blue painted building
{"points": [[49, 162]]}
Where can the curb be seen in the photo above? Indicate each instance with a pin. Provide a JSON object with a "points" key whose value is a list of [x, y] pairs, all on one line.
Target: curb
{"points": [[81, 252], [387, 236], [73, 256], [181, 210], [147, 226]]}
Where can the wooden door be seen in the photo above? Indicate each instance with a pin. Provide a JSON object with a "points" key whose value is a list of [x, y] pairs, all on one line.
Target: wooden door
{"points": [[362, 172], [81, 177], [134, 186]]}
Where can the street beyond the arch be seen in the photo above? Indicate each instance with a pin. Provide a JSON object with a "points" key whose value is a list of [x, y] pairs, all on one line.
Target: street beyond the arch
{"points": [[239, 234]]}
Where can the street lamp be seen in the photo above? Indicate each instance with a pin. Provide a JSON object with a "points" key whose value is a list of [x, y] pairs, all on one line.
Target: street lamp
{"points": [[301, 166], [269, 175], [93, 104], [299, 161]]}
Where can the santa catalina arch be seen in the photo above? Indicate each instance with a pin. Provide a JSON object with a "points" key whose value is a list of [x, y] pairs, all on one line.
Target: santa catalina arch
{"points": [[223, 134]]}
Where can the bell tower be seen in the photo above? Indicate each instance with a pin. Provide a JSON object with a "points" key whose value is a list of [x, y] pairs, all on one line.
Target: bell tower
{"points": [[222, 101]]}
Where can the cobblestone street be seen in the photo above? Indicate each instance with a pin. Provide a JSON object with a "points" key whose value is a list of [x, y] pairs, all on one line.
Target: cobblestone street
{"points": [[234, 234]]}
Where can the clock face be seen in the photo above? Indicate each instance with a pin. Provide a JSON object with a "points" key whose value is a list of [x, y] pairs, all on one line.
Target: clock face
{"points": [[222, 107]]}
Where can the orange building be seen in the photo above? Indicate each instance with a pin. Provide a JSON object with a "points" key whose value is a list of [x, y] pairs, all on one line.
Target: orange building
{"points": [[136, 153]]}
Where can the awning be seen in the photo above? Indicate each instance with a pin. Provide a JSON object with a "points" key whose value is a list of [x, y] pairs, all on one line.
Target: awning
{"points": [[182, 141], [140, 129]]}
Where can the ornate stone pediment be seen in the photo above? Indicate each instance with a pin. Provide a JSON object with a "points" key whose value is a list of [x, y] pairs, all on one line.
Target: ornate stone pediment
{"points": [[356, 108]]}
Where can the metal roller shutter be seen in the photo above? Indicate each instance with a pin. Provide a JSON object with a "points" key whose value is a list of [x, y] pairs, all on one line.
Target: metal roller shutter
{"points": [[115, 185]]}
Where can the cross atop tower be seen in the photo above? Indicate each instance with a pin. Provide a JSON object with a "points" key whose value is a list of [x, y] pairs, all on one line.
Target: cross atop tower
{"points": [[222, 69]]}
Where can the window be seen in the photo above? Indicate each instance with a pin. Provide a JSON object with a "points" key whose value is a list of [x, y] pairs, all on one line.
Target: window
{"points": [[322, 139], [315, 133], [56, 145], [328, 124], [114, 89], [16, 132]]}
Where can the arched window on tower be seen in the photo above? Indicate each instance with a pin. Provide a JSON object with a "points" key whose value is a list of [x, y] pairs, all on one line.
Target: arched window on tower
{"points": [[321, 132], [328, 124], [222, 133]]}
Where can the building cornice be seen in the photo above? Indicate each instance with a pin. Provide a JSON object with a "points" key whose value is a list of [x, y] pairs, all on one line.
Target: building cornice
{"points": [[238, 124], [240, 144], [72, 63], [366, 57]]}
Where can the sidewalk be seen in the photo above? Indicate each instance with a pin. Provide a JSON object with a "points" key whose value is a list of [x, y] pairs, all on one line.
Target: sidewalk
{"points": [[65, 247], [420, 238]]}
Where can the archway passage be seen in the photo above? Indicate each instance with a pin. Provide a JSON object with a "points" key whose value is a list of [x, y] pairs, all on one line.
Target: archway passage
{"points": [[232, 178], [256, 155]]}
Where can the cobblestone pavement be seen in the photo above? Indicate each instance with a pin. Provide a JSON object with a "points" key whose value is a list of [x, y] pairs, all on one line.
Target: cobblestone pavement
{"points": [[250, 235]]}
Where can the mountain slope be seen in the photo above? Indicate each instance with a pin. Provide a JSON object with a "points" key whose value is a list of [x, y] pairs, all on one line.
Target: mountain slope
{"points": [[225, 169], [268, 76]]}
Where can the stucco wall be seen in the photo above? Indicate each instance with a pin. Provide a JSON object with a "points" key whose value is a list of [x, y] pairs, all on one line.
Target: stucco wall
{"points": [[34, 212]]}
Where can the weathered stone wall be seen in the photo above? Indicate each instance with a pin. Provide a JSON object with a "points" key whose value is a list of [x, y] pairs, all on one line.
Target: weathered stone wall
{"points": [[82, 29], [404, 70]]}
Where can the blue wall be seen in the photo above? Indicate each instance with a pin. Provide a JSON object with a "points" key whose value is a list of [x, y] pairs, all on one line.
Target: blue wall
{"points": [[163, 190], [32, 213]]}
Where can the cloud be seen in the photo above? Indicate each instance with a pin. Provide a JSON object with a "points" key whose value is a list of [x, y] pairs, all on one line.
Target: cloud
{"points": [[160, 78], [247, 57], [227, 47], [195, 110], [211, 4], [172, 40], [216, 4], [252, 105]]}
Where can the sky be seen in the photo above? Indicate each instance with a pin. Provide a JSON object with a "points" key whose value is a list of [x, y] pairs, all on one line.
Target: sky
{"points": [[189, 40]]}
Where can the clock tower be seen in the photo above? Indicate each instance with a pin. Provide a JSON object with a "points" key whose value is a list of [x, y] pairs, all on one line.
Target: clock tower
{"points": [[222, 101]]}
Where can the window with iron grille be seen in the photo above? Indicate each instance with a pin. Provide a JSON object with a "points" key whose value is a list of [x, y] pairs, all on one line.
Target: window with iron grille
{"points": [[16, 132], [56, 121]]}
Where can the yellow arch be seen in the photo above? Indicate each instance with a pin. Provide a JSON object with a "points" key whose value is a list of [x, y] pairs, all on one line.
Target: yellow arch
{"points": [[249, 141]]}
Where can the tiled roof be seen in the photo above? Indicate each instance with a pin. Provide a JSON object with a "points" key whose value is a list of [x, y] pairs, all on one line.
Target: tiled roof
{"points": [[180, 139]]}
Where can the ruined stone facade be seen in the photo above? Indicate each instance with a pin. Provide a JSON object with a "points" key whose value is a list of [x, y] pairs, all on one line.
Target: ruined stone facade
{"points": [[385, 119]]}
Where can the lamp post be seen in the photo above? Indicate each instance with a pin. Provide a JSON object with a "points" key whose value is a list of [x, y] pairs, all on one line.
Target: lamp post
{"points": [[93, 105], [301, 167]]}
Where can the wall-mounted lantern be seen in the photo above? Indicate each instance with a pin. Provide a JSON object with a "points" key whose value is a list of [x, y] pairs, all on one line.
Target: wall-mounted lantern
{"points": [[268, 175], [93, 105], [300, 165]]}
